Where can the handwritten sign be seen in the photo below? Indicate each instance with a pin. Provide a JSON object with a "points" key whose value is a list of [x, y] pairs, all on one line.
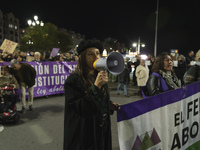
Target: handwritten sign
{"points": [[8, 46]]}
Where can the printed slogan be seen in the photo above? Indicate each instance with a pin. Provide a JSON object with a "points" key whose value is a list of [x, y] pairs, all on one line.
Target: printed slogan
{"points": [[50, 76], [168, 121]]}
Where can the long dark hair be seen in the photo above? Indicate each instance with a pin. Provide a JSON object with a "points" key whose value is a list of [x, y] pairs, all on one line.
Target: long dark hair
{"points": [[159, 62], [83, 71], [5, 68]]}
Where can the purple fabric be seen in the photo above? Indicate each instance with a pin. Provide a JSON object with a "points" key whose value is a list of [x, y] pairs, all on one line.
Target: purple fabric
{"points": [[50, 77], [164, 86], [54, 52], [163, 83], [140, 107]]}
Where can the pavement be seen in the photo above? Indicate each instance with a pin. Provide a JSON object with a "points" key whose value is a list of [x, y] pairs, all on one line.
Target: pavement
{"points": [[121, 99], [42, 129]]}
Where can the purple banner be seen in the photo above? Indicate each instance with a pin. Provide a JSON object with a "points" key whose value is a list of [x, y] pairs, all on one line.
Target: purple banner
{"points": [[50, 77], [134, 109]]}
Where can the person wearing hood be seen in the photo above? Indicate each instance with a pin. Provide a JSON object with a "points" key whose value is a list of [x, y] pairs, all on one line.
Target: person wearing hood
{"points": [[193, 73]]}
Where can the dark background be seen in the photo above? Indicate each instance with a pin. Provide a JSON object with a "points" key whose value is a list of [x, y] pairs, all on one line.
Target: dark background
{"points": [[125, 20]]}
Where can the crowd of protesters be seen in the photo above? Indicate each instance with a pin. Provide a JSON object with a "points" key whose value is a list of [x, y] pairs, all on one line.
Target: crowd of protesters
{"points": [[37, 56], [162, 67]]}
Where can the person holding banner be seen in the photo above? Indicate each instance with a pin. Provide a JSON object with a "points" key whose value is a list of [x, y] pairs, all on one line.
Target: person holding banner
{"points": [[163, 77], [87, 103], [25, 75]]}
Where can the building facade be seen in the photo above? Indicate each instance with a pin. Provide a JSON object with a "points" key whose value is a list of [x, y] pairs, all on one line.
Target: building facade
{"points": [[9, 27]]}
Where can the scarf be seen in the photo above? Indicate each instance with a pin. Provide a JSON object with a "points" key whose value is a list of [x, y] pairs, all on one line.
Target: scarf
{"points": [[171, 79]]}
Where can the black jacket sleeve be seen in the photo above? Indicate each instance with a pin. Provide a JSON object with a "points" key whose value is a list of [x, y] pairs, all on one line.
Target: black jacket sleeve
{"points": [[153, 85], [84, 102]]}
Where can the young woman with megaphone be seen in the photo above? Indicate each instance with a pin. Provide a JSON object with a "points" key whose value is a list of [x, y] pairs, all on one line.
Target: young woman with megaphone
{"points": [[87, 103]]}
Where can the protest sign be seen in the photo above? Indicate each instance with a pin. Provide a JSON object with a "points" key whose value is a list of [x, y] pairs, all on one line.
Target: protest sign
{"points": [[54, 52], [8, 46], [169, 121]]}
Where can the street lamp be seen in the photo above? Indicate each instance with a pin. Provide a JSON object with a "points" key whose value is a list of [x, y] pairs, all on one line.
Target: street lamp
{"points": [[35, 22], [137, 45]]}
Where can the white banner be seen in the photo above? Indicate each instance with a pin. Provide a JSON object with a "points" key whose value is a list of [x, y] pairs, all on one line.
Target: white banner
{"points": [[169, 121]]}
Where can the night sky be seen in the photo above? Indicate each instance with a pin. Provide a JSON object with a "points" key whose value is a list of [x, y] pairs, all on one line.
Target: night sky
{"points": [[125, 20]]}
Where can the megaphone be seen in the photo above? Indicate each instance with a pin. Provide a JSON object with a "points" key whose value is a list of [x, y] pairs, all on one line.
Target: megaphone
{"points": [[114, 63]]}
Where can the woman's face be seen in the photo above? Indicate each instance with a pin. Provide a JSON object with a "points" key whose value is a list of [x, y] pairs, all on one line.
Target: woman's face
{"points": [[4, 72], [168, 63], [92, 54]]}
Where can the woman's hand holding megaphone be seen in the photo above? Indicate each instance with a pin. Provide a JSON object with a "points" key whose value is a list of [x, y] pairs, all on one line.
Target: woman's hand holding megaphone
{"points": [[101, 79]]}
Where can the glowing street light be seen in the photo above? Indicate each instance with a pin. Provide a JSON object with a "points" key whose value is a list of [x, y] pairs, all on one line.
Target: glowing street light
{"points": [[104, 53], [35, 18], [35, 22], [137, 45], [134, 44]]}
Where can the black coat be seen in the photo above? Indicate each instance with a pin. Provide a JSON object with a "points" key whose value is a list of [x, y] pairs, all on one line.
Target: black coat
{"points": [[27, 73], [124, 76], [180, 70], [84, 110], [154, 85]]}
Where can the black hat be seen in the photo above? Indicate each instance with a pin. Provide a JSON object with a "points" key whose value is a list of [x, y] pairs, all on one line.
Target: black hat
{"points": [[88, 44]]}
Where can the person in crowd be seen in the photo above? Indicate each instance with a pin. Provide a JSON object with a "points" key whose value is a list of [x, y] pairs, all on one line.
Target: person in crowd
{"points": [[68, 56], [7, 57], [25, 75], [19, 58], [76, 58], [123, 79], [61, 58], [37, 56], [15, 54], [181, 68], [6, 79], [1, 56], [31, 57], [189, 58], [136, 63], [24, 56], [152, 60], [163, 77], [87, 103], [193, 73], [142, 74], [47, 57], [42, 57], [129, 65]]}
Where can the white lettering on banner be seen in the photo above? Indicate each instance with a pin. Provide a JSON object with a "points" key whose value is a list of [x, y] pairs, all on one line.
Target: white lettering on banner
{"points": [[175, 126], [55, 69], [41, 91], [50, 80], [192, 109], [71, 68], [57, 89], [58, 69], [41, 69]]}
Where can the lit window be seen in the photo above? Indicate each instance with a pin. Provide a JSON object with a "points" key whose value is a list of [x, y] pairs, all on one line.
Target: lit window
{"points": [[11, 26], [15, 27]]}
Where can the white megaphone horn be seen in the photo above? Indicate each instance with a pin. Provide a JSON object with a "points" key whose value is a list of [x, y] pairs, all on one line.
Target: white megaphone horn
{"points": [[114, 63]]}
